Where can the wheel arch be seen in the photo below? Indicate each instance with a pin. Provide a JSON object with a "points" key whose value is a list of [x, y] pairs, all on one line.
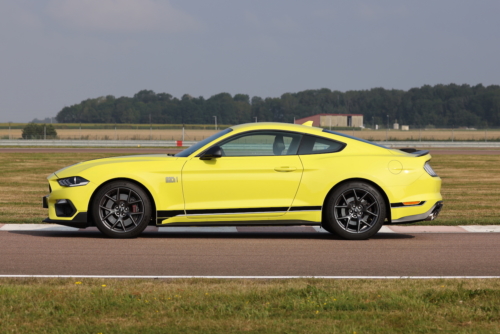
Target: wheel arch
{"points": [[90, 218], [376, 186]]}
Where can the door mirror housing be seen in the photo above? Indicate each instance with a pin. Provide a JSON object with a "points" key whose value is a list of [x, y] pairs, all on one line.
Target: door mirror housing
{"points": [[213, 152]]}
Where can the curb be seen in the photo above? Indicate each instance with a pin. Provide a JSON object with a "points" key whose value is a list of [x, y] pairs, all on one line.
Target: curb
{"points": [[259, 229]]}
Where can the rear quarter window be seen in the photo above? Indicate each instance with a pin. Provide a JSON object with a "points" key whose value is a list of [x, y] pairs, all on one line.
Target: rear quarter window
{"points": [[319, 145]]}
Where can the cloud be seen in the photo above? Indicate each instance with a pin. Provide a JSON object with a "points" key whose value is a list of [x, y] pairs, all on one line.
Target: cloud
{"points": [[17, 14], [253, 20], [286, 24], [375, 11], [122, 15]]}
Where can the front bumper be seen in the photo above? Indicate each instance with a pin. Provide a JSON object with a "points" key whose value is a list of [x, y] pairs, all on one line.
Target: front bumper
{"points": [[67, 205], [429, 215], [79, 221]]}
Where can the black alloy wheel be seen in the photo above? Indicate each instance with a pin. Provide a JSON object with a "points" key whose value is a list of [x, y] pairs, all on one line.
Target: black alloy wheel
{"points": [[121, 210], [355, 211]]}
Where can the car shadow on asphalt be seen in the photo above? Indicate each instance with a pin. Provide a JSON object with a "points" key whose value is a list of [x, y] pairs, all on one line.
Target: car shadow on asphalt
{"points": [[209, 235]]}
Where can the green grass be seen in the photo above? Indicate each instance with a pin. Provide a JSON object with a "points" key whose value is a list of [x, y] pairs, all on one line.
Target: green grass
{"points": [[249, 306], [470, 189], [471, 186]]}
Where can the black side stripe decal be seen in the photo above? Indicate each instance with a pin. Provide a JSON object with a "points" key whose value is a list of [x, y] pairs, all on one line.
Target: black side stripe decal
{"points": [[399, 205], [305, 208], [239, 210], [173, 213]]}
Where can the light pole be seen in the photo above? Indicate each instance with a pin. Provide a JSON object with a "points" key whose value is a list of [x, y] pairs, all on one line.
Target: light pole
{"points": [[255, 119], [215, 122], [387, 128]]}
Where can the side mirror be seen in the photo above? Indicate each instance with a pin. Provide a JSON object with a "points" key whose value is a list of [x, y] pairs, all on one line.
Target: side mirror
{"points": [[213, 152]]}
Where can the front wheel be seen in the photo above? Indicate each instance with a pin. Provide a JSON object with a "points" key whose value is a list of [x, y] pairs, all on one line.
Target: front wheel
{"points": [[121, 209], [355, 211]]}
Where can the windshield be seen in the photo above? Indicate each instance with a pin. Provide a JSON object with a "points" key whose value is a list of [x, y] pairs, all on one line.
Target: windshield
{"points": [[188, 151], [355, 138]]}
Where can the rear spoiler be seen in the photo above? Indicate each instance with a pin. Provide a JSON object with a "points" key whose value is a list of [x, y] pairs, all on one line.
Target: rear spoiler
{"points": [[414, 151]]}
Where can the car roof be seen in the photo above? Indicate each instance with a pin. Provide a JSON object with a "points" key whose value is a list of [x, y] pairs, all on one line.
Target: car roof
{"points": [[277, 126]]}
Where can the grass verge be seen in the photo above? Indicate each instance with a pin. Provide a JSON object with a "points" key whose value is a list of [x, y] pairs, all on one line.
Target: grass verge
{"points": [[251, 306], [471, 186]]}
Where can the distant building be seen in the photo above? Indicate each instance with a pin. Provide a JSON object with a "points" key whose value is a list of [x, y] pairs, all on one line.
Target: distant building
{"points": [[334, 120], [396, 125]]}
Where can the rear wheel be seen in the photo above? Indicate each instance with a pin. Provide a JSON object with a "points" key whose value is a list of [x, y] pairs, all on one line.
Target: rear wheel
{"points": [[121, 209], [355, 211]]}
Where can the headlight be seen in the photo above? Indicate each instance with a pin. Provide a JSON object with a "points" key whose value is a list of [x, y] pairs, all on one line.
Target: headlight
{"points": [[429, 169], [73, 181]]}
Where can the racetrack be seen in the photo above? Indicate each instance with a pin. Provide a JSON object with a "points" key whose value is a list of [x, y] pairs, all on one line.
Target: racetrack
{"points": [[270, 253]]}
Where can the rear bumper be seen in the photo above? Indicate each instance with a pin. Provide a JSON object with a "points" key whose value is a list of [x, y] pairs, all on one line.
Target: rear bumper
{"points": [[429, 215]]}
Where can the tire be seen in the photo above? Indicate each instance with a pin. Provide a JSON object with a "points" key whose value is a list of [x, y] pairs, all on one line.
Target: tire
{"points": [[121, 209], [326, 226], [355, 211]]}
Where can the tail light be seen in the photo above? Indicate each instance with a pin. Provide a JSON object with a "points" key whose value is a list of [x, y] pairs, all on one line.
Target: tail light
{"points": [[429, 169]]}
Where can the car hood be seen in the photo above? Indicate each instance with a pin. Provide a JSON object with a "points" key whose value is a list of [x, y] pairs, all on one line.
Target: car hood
{"points": [[77, 169]]}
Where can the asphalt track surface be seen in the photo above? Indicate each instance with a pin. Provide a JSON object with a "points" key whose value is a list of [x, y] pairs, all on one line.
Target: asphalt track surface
{"points": [[249, 254], [466, 151]]}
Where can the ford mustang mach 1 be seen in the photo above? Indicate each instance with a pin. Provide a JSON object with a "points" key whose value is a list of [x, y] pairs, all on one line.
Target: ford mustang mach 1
{"points": [[251, 174]]}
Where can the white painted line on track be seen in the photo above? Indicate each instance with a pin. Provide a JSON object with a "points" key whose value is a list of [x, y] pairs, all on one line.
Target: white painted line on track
{"points": [[247, 277], [204, 229], [482, 228], [385, 229], [320, 229], [36, 227]]}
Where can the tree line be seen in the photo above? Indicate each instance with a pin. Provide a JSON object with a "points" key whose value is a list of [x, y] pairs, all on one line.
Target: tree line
{"points": [[439, 106], [39, 131]]}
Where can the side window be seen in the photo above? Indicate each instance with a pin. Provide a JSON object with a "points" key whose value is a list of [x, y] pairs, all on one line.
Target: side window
{"points": [[317, 145], [262, 143]]}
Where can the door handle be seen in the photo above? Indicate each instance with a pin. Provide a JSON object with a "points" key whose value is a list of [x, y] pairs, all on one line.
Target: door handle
{"points": [[284, 169]]}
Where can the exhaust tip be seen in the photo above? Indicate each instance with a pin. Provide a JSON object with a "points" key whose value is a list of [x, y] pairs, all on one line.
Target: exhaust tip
{"points": [[435, 212]]}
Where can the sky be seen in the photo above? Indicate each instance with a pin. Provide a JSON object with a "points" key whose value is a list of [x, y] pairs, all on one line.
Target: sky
{"points": [[56, 53]]}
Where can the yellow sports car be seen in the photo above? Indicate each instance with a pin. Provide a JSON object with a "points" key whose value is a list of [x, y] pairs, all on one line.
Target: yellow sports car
{"points": [[251, 174]]}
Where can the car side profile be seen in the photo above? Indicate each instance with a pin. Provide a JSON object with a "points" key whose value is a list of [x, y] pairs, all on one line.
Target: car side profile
{"points": [[251, 174]]}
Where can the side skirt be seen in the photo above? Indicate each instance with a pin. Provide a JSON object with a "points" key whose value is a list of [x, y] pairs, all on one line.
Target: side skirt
{"points": [[248, 223], [304, 215]]}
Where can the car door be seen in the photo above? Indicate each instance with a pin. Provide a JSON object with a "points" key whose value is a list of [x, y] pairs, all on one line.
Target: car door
{"points": [[257, 176]]}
